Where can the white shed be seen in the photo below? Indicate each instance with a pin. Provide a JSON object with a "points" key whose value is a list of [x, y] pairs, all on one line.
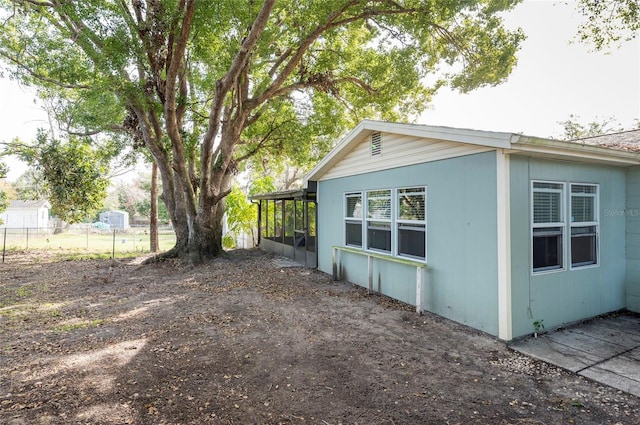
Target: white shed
{"points": [[26, 214]]}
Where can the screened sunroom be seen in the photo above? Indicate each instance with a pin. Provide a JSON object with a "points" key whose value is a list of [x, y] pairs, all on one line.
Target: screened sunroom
{"points": [[287, 224]]}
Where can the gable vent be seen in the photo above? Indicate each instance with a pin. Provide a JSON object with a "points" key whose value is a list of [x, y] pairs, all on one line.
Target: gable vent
{"points": [[376, 144]]}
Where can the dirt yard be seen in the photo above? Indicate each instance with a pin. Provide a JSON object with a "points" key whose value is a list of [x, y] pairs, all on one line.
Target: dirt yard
{"points": [[243, 340]]}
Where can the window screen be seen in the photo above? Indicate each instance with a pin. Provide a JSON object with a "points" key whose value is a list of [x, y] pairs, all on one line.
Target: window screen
{"points": [[353, 219], [379, 204], [411, 222], [379, 220], [547, 226], [584, 225]]}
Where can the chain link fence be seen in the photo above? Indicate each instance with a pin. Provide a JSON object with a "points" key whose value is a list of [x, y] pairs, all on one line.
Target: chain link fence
{"points": [[84, 239]]}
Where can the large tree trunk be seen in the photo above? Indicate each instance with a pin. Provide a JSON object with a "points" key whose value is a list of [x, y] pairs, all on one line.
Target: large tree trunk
{"points": [[199, 236], [206, 241], [153, 219], [201, 240]]}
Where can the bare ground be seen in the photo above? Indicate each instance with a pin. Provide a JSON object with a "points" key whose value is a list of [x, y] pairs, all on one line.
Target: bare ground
{"points": [[242, 340]]}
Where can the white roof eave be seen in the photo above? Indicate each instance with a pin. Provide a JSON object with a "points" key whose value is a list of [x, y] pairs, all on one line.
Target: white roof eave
{"points": [[354, 137], [512, 143], [580, 152]]}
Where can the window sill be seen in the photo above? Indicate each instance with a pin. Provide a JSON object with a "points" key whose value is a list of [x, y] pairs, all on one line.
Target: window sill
{"points": [[547, 271], [585, 266]]}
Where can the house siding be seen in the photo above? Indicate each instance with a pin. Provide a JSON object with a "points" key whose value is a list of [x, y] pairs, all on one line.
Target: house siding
{"points": [[632, 218], [566, 296], [397, 151], [461, 275]]}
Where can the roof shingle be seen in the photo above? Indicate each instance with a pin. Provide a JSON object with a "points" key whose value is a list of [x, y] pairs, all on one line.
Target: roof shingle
{"points": [[626, 140]]}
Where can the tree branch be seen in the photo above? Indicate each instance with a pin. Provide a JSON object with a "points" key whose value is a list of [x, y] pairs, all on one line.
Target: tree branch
{"points": [[225, 83], [175, 61], [223, 86], [324, 84], [334, 20], [261, 144], [40, 77]]}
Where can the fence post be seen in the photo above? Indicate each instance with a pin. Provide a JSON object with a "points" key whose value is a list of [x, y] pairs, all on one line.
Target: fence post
{"points": [[4, 244], [27, 239], [113, 255]]}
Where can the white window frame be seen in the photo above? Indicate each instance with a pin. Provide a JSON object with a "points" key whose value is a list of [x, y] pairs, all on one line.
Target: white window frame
{"points": [[577, 224], [391, 223], [413, 225], [370, 222], [354, 219], [559, 224]]}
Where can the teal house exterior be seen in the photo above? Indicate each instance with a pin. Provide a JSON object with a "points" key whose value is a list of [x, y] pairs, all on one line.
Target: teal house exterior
{"points": [[497, 231]]}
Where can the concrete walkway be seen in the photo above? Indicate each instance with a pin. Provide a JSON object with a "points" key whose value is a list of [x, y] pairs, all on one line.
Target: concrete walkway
{"points": [[605, 350]]}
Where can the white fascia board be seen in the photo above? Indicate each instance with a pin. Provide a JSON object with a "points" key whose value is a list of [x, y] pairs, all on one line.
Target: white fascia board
{"points": [[335, 155], [557, 149], [355, 136], [449, 134]]}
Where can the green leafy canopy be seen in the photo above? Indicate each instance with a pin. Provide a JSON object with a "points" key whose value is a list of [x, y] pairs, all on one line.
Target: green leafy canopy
{"points": [[206, 87], [360, 60]]}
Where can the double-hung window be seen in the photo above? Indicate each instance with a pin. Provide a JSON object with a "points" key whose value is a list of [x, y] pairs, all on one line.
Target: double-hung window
{"points": [[547, 226], [379, 220], [584, 225], [411, 222], [353, 219]]}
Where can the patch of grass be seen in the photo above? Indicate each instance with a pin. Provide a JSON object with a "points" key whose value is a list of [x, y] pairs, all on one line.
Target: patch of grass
{"points": [[23, 291], [80, 325], [11, 295], [7, 312], [17, 313], [51, 309], [88, 240]]}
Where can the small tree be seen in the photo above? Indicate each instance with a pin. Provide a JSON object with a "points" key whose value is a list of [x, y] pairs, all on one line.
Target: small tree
{"points": [[4, 198], [574, 129], [242, 215], [75, 174]]}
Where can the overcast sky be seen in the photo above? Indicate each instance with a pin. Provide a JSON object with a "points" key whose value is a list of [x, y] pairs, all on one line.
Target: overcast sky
{"points": [[555, 78]]}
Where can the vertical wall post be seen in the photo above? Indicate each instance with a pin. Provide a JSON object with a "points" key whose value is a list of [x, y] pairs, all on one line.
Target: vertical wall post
{"points": [[259, 221], [305, 227], [315, 231], [370, 269], [505, 328], [419, 288]]}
